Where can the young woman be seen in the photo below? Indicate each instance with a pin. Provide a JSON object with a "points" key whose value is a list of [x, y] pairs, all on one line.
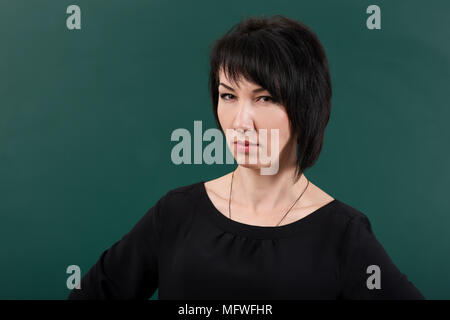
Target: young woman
{"points": [[248, 235]]}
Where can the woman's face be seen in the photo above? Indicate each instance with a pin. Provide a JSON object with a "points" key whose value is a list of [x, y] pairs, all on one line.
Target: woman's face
{"points": [[244, 110]]}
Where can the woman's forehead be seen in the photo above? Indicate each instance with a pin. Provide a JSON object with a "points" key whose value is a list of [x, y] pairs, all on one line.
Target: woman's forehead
{"points": [[241, 81]]}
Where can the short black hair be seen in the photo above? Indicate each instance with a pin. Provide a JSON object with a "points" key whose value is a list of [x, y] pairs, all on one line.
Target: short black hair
{"points": [[287, 59]]}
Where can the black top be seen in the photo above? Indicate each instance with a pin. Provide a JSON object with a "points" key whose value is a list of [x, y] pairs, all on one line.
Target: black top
{"points": [[188, 249]]}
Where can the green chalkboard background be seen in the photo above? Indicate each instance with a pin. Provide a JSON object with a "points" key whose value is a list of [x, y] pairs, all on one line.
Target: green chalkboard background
{"points": [[86, 117]]}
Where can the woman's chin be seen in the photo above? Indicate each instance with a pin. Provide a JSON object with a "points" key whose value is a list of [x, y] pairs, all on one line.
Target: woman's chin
{"points": [[250, 164]]}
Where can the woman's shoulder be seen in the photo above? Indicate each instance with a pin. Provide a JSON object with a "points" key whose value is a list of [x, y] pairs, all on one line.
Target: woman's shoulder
{"points": [[177, 204], [189, 197], [347, 214], [186, 192], [193, 193]]}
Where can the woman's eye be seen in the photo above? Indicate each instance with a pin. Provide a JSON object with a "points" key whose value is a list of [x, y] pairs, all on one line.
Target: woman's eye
{"points": [[267, 98], [226, 96]]}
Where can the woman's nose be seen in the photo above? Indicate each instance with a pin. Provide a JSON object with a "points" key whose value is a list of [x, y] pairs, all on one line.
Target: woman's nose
{"points": [[244, 117]]}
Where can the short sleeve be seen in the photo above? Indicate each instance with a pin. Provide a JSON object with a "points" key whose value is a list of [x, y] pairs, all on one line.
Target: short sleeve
{"points": [[129, 268], [367, 271]]}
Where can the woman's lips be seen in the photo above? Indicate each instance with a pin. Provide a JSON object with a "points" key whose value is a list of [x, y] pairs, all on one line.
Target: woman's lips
{"points": [[244, 146], [245, 143]]}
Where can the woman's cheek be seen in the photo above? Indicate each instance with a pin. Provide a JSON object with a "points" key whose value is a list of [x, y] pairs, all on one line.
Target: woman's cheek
{"points": [[221, 116], [280, 136]]}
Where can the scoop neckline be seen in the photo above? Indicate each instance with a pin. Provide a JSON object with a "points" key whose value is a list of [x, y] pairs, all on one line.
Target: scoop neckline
{"points": [[255, 231]]}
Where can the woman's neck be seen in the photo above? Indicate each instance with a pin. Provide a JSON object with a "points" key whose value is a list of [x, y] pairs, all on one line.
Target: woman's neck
{"points": [[263, 193]]}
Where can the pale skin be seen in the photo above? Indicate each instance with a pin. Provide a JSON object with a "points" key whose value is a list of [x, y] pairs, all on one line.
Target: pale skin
{"points": [[261, 200]]}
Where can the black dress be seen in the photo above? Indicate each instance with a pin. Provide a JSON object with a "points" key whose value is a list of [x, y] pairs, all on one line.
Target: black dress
{"points": [[187, 249]]}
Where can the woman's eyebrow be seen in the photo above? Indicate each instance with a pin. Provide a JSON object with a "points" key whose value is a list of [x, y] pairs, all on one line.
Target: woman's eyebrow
{"points": [[229, 88]]}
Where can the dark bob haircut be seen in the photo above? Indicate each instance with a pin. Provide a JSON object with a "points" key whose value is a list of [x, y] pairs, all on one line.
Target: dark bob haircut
{"points": [[286, 58]]}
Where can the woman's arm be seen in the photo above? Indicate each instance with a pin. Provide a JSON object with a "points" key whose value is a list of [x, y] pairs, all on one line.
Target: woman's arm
{"points": [[129, 268], [367, 272]]}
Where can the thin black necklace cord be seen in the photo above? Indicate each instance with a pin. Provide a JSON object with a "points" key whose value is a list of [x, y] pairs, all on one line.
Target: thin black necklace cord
{"points": [[231, 188]]}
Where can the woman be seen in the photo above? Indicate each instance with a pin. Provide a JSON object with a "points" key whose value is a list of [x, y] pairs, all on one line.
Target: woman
{"points": [[249, 235]]}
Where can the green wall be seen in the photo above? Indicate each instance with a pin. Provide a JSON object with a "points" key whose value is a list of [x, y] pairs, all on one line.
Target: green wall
{"points": [[86, 117]]}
